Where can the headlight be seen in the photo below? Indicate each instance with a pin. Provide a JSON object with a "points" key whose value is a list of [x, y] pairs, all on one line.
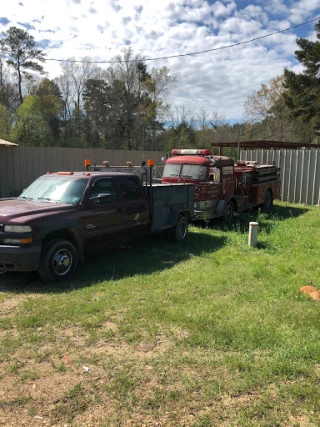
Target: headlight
{"points": [[17, 229]]}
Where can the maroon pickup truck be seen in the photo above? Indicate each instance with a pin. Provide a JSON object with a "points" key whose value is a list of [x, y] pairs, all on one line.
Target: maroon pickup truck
{"points": [[63, 215]]}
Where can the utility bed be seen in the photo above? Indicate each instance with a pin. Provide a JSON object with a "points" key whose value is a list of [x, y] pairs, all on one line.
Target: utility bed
{"points": [[167, 202]]}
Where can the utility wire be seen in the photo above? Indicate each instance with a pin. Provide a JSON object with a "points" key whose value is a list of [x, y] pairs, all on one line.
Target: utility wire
{"points": [[191, 53]]}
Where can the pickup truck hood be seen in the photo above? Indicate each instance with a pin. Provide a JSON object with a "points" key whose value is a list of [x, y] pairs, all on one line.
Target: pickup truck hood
{"points": [[13, 209]]}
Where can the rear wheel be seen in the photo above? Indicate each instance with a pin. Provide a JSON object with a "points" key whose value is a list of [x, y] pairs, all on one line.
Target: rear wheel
{"points": [[59, 260], [268, 200], [180, 231]]}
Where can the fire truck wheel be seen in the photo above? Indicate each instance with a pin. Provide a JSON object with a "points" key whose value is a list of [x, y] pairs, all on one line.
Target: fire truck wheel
{"points": [[59, 260], [180, 231], [268, 200], [229, 211]]}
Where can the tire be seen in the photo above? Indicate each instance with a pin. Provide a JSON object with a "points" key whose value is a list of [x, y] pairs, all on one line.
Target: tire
{"points": [[268, 200], [59, 260], [229, 211], [180, 231]]}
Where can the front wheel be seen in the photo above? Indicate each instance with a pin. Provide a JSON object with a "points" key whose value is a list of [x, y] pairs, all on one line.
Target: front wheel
{"points": [[180, 231], [229, 211], [59, 260]]}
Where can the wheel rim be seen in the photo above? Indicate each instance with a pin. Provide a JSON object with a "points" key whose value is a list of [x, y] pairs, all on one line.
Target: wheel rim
{"points": [[182, 230], [229, 211], [62, 262]]}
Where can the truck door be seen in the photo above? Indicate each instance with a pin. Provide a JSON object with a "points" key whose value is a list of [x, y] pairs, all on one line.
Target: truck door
{"points": [[228, 181], [136, 205], [104, 214]]}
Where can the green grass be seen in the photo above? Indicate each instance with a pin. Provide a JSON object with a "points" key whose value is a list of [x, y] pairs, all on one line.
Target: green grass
{"points": [[208, 333]]}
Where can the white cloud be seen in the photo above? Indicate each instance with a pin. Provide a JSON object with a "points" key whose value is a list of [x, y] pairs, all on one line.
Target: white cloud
{"points": [[218, 81], [276, 7], [220, 9], [300, 10]]}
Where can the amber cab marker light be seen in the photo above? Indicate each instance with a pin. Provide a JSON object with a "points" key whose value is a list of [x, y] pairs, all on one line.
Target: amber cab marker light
{"points": [[150, 162], [65, 173]]}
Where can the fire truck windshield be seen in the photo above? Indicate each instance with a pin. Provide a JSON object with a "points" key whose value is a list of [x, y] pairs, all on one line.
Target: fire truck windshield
{"points": [[198, 172], [171, 171]]}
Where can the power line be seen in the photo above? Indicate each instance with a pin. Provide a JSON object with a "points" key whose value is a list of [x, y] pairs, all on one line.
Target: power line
{"points": [[191, 53]]}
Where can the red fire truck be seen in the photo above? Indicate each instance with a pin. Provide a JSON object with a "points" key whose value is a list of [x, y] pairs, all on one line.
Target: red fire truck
{"points": [[222, 187]]}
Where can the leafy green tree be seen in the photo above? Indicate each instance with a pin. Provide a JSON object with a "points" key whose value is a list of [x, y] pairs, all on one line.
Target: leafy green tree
{"points": [[97, 108], [30, 127], [9, 97], [4, 123], [51, 105], [118, 118], [180, 136], [22, 51], [303, 95]]}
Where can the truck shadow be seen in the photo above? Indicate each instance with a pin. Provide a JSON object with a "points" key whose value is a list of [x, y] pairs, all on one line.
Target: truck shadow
{"points": [[240, 222], [144, 255]]}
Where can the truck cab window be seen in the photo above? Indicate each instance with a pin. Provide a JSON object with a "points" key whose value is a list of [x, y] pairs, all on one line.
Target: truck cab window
{"points": [[214, 175], [104, 187], [130, 188], [227, 170]]}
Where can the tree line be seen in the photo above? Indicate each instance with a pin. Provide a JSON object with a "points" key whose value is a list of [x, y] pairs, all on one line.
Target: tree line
{"points": [[126, 105]]}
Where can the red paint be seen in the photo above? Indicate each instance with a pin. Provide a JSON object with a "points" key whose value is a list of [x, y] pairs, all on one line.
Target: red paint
{"points": [[218, 181]]}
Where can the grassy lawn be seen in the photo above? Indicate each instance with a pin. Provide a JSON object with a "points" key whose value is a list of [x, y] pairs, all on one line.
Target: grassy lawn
{"points": [[208, 333]]}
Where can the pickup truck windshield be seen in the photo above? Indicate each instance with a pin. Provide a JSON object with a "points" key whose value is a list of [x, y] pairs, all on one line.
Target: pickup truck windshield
{"points": [[56, 189], [185, 171]]}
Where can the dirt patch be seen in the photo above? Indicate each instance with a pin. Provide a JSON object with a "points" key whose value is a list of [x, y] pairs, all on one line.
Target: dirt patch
{"points": [[75, 376], [8, 306], [66, 381]]}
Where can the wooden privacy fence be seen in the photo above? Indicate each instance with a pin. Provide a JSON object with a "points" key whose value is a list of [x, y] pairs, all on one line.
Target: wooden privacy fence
{"points": [[299, 169], [19, 166]]}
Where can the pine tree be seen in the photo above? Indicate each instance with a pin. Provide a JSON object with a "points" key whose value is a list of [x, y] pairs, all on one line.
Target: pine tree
{"points": [[21, 49], [303, 95]]}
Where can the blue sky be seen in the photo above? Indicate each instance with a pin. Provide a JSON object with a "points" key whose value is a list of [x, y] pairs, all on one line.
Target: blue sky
{"points": [[218, 82]]}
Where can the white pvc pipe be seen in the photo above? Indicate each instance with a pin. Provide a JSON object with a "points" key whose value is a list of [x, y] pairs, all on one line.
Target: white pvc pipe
{"points": [[253, 234]]}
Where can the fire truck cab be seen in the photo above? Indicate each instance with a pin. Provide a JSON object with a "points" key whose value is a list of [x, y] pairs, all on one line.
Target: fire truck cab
{"points": [[221, 187]]}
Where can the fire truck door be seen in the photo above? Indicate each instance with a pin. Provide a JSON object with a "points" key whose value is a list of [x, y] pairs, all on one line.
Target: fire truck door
{"points": [[228, 181]]}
